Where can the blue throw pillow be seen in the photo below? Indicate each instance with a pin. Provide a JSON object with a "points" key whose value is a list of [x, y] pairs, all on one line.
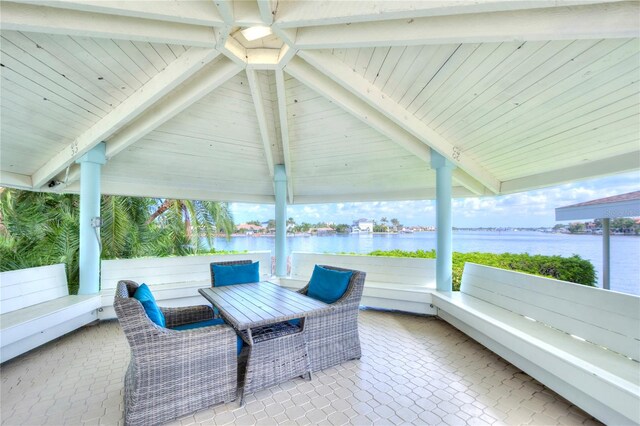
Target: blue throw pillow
{"points": [[236, 274], [208, 323], [328, 285], [144, 296]]}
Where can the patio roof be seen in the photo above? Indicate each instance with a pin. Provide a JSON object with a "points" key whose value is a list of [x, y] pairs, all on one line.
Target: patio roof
{"points": [[351, 97], [623, 205]]}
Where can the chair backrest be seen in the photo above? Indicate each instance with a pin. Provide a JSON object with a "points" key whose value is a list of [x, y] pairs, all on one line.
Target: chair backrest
{"points": [[131, 315], [353, 295], [226, 263]]}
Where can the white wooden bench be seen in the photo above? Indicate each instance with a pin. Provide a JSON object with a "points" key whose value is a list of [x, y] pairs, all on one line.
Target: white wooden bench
{"points": [[36, 308], [398, 283], [174, 281], [582, 342]]}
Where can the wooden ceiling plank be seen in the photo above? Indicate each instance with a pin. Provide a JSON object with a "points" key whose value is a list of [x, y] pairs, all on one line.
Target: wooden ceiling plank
{"points": [[55, 73], [554, 23], [586, 116], [320, 83], [374, 98], [48, 98], [598, 79], [183, 11], [49, 20], [263, 122], [156, 88], [602, 167]]}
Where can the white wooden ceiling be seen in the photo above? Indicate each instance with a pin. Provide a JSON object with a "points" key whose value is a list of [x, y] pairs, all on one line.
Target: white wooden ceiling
{"points": [[351, 96]]}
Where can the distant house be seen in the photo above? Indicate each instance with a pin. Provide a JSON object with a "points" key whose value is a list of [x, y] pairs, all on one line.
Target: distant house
{"points": [[246, 228], [364, 225], [325, 231]]}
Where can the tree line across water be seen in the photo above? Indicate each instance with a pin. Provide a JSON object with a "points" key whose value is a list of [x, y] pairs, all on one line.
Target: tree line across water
{"points": [[43, 229]]}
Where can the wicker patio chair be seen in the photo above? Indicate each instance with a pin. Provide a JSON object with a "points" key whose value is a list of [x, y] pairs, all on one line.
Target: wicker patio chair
{"points": [[225, 263], [173, 373], [332, 337]]}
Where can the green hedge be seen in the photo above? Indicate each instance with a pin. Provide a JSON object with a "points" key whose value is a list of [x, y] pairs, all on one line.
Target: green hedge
{"points": [[573, 269]]}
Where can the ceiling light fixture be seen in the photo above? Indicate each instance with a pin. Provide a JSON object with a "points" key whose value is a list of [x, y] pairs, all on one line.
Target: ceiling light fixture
{"points": [[256, 32]]}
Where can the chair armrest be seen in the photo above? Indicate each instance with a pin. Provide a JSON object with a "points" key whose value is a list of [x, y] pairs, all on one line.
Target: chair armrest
{"points": [[186, 315]]}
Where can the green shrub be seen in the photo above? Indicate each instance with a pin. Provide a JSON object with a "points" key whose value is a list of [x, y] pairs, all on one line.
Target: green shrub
{"points": [[573, 269]]}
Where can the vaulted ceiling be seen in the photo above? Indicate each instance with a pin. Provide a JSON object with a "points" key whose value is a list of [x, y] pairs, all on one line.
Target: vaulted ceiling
{"points": [[351, 96]]}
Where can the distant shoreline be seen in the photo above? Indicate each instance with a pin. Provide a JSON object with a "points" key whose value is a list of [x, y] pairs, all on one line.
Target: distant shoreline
{"points": [[307, 234]]}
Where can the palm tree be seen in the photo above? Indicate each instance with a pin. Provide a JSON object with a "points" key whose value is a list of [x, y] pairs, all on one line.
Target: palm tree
{"points": [[178, 218]]}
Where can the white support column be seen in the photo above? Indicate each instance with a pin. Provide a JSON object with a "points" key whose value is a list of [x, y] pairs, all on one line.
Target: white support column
{"points": [[606, 230], [280, 184], [444, 252], [90, 164]]}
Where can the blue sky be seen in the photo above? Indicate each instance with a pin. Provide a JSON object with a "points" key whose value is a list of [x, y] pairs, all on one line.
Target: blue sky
{"points": [[526, 209]]}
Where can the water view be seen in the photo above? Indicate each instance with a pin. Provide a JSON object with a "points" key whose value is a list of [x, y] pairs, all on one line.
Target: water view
{"points": [[625, 250]]}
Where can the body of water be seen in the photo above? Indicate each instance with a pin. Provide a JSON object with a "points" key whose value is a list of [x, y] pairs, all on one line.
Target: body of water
{"points": [[625, 250]]}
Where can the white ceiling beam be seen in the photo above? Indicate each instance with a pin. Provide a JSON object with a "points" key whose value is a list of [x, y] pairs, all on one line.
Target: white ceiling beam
{"points": [[604, 167], [134, 189], [225, 9], [293, 14], [598, 21], [362, 89], [40, 19], [464, 179], [161, 84], [183, 11], [284, 131], [15, 180], [263, 122], [267, 9], [204, 82], [326, 87], [246, 14]]}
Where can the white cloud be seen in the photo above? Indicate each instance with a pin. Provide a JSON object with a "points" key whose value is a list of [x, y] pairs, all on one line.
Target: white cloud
{"points": [[527, 209]]}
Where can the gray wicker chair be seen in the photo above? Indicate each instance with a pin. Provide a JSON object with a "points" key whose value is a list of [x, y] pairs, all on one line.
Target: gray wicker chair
{"points": [[173, 373], [333, 337], [225, 263]]}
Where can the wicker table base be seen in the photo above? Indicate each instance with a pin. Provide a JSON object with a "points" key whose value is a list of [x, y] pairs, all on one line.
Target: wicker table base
{"points": [[278, 354]]}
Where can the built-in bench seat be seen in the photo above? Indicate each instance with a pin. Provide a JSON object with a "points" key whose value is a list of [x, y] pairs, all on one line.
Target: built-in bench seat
{"points": [[396, 283], [582, 342], [174, 281], [37, 308]]}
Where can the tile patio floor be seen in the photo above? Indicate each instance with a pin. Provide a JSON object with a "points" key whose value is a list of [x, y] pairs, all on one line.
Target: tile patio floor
{"points": [[414, 370]]}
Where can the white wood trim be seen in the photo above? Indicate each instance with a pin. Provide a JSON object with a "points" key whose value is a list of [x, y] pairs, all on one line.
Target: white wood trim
{"points": [[190, 192], [284, 131], [426, 194], [286, 53], [339, 72], [15, 180], [49, 20], [312, 13], [263, 122], [607, 166], [183, 11], [161, 84], [558, 23]]}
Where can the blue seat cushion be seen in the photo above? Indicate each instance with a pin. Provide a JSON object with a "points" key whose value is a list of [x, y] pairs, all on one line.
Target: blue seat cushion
{"points": [[236, 274], [328, 285], [148, 302], [208, 323]]}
